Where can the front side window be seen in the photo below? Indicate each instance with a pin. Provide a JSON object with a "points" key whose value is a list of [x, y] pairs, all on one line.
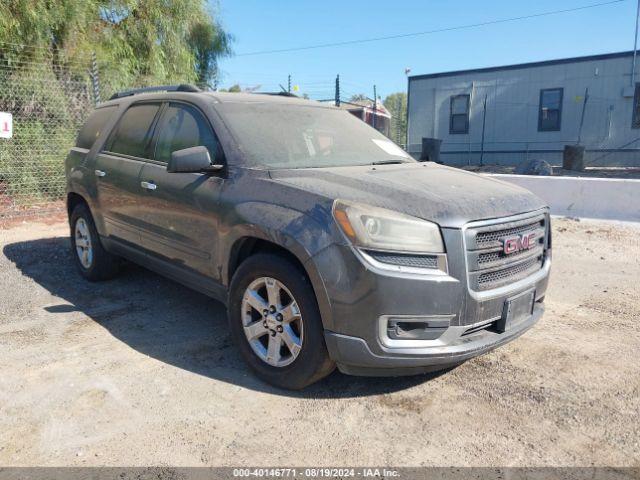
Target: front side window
{"points": [[459, 118], [93, 127], [133, 133], [183, 126], [550, 112]]}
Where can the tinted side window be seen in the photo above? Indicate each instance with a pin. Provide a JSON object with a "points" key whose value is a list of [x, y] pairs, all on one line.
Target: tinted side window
{"points": [[133, 133], [93, 126], [183, 126]]}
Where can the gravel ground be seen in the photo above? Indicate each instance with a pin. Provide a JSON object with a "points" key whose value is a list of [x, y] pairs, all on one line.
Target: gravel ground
{"points": [[141, 371]]}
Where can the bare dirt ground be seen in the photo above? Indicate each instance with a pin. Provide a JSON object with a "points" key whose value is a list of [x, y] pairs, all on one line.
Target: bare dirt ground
{"points": [[43, 212], [140, 371]]}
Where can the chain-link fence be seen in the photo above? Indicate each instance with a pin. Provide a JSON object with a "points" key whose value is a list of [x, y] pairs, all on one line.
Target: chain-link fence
{"points": [[49, 98]]}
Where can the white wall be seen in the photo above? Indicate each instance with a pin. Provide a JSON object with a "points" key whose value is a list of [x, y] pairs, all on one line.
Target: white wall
{"points": [[605, 198]]}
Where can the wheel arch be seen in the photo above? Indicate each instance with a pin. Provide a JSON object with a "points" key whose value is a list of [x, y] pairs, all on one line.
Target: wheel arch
{"points": [[73, 200], [248, 245]]}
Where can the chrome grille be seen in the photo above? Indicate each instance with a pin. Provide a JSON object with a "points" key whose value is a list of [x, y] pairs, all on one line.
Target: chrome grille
{"points": [[489, 257], [485, 239], [489, 266], [495, 256], [514, 273]]}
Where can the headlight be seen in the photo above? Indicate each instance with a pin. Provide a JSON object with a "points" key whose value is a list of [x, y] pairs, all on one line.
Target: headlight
{"points": [[381, 229]]}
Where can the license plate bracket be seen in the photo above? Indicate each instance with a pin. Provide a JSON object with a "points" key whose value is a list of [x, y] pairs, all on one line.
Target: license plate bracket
{"points": [[515, 310]]}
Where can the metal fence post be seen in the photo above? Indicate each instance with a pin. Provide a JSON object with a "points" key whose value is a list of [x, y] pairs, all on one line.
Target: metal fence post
{"points": [[95, 78], [484, 121]]}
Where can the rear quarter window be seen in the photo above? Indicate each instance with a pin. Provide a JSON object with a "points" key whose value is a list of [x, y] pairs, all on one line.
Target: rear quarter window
{"points": [[133, 133], [93, 127]]}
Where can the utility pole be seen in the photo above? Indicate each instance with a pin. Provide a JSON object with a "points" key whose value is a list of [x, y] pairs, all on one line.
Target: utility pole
{"points": [[337, 97], [584, 107], [375, 105], [397, 120], [407, 71], [289, 81], [635, 48]]}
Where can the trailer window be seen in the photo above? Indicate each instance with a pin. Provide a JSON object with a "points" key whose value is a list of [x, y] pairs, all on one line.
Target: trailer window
{"points": [[459, 117], [635, 122], [550, 111]]}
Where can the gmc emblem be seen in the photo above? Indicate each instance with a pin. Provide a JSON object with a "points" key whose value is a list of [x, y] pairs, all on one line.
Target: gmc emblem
{"points": [[518, 243]]}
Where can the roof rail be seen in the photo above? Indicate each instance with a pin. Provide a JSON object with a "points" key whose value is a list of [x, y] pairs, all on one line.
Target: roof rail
{"points": [[161, 88], [279, 94]]}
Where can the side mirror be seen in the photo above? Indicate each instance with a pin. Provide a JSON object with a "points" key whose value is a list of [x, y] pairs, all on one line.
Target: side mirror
{"points": [[192, 160]]}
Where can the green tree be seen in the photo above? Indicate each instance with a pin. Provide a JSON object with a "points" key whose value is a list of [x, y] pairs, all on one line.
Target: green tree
{"points": [[46, 51], [209, 42], [359, 97], [137, 42], [396, 104], [235, 88]]}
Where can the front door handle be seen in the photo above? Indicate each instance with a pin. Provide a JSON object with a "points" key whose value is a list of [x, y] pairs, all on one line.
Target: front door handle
{"points": [[100, 173], [148, 185]]}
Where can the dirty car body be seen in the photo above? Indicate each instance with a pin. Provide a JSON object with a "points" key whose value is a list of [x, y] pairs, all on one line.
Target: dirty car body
{"points": [[289, 182]]}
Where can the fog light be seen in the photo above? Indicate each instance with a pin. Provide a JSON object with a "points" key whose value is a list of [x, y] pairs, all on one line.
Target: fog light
{"points": [[417, 328]]}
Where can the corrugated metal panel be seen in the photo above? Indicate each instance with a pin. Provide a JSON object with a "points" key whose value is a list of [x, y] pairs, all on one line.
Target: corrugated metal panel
{"points": [[512, 112]]}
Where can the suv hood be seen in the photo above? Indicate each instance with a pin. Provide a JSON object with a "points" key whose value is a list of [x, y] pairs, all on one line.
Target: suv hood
{"points": [[448, 196]]}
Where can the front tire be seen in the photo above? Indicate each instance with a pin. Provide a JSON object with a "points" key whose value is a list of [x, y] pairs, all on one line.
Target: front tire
{"points": [[92, 260], [275, 321]]}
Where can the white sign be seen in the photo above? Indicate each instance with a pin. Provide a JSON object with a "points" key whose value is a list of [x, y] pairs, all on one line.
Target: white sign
{"points": [[6, 125]]}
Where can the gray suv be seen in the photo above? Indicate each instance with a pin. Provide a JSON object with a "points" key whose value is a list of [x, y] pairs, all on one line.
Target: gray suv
{"points": [[328, 243]]}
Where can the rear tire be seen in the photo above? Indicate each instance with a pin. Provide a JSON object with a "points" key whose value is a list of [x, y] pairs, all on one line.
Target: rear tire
{"points": [[92, 260], [291, 319]]}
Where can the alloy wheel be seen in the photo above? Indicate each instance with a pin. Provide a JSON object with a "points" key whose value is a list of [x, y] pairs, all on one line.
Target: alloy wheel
{"points": [[272, 321], [84, 248]]}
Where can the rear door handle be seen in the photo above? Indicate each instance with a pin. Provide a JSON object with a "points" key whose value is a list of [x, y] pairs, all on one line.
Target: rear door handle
{"points": [[148, 185], [100, 173]]}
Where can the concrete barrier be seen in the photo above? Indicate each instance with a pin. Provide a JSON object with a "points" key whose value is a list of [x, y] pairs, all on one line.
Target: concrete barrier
{"points": [[606, 198]]}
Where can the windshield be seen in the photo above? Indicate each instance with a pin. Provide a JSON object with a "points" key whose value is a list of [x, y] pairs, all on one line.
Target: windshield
{"points": [[301, 136]]}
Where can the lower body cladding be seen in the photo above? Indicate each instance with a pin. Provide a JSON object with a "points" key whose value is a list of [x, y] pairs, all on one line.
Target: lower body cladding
{"points": [[389, 323]]}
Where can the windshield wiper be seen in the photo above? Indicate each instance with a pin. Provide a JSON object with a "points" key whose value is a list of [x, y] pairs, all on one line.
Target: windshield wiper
{"points": [[388, 162]]}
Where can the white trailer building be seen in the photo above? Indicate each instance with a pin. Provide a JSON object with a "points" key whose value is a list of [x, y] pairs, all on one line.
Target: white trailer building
{"points": [[504, 115]]}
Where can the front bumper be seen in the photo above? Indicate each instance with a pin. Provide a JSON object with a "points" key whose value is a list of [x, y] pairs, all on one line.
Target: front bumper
{"points": [[359, 297], [354, 356]]}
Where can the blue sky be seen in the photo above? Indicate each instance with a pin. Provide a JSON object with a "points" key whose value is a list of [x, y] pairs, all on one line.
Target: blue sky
{"points": [[263, 25]]}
